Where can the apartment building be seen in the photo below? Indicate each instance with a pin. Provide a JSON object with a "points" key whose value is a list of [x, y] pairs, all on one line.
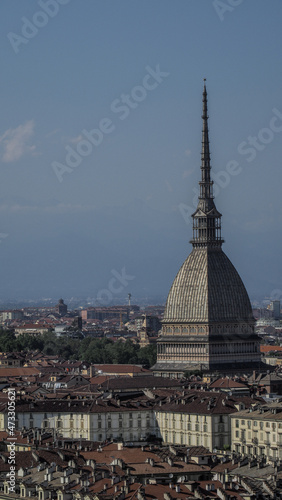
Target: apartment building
{"points": [[199, 418], [194, 418], [258, 431]]}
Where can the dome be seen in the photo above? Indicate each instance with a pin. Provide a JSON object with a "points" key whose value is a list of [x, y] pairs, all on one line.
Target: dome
{"points": [[207, 288]]}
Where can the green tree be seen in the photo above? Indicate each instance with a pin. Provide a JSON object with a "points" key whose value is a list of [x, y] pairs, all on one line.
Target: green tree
{"points": [[147, 356], [8, 341]]}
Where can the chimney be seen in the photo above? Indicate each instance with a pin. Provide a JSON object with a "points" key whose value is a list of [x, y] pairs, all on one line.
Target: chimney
{"points": [[167, 496]]}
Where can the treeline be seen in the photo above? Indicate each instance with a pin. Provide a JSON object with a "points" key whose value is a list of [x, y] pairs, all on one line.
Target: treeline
{"points": [[99, 350]]}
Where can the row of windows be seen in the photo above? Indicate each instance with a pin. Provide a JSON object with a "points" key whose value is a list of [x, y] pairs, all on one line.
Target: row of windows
{"points": [[259, 424], [185, 329]]}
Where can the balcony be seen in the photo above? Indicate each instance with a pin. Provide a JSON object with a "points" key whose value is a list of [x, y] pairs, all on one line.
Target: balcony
{"points": [[267, 442]]}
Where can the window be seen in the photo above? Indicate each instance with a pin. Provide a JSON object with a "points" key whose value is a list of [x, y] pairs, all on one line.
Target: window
{"points": [[249, 424], [242, 422], [237, 434], [261, 425], [255, 423], [237, 424]]}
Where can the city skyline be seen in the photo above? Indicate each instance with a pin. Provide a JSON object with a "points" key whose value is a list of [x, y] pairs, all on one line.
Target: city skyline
{"points": [[99, 144]]}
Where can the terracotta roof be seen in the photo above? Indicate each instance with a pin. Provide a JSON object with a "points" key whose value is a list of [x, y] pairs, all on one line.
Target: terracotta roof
{"points": [[99, 379], [270, 348], [207, 403], [121, 369], [19, 372], [140, 382], [226, 383]]}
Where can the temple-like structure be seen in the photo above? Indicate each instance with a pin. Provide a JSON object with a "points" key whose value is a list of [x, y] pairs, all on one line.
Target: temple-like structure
{"points": [[208, 322]]}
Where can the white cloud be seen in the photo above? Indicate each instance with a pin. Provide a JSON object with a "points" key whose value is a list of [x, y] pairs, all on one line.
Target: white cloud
{"points": [[15, 142]]}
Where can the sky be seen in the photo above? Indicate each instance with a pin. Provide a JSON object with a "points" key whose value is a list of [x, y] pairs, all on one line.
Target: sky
{"points": [[100, 140]]}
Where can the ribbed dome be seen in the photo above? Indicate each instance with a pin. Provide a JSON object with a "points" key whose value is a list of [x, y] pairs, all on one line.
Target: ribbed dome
{"points": [[207, 288]]}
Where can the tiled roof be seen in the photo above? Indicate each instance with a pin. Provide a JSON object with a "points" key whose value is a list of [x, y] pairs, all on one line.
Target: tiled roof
{"points": [[18, 372], [140, 382], [226, 383], [270, 348], [206, 403], [121, 369]]}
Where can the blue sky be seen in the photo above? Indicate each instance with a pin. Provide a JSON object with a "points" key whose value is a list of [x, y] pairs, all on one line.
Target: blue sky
{"points": [[133, 72]]}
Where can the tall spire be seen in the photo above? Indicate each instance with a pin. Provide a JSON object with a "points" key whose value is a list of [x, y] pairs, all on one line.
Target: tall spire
{"points": [[206, 219], [205, 184]]}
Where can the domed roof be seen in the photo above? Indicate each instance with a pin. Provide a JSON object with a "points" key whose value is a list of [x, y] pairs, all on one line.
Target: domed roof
{"points": [[207, 288]]}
